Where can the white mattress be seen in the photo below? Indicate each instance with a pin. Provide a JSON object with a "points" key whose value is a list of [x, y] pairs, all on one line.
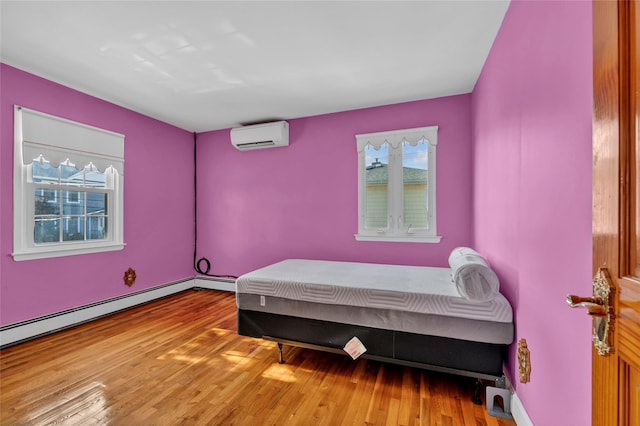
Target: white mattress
{"points": [[419, 289]]}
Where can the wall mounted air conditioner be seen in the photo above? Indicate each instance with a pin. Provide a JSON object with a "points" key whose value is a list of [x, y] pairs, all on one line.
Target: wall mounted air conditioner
{"points": [[265, 135]]}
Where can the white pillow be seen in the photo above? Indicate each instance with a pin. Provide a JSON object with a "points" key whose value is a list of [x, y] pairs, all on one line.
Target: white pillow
{"points": [[473, 278]]}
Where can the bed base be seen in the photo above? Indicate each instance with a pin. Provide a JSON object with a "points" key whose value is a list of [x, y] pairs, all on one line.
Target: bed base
{"points": [[499, 382], [479, 360], [281, 342]]}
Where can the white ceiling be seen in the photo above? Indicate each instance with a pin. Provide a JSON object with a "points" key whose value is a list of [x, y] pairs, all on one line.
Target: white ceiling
{"points": [[206, 65]]}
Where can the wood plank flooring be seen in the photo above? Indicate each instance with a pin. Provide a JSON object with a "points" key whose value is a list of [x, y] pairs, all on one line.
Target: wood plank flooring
{"points": [[178, 361]]}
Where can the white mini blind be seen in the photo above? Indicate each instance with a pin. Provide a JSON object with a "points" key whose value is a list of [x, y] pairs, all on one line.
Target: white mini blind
{"points": [[58, 139], [396, 137]]}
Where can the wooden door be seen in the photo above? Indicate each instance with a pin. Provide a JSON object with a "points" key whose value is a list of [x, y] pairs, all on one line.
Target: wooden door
{"points": [[616, 205]]}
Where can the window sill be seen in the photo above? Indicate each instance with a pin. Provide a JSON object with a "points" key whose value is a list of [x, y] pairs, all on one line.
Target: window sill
{"points": [[433, 239], [64, 250]]}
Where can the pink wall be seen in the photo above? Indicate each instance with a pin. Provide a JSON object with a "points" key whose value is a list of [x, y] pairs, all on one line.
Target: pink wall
{"points": [[522, 197], [532, 197], [262, 206], [158, 222]]}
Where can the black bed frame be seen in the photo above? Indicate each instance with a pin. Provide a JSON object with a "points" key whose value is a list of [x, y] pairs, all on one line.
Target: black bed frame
{"points": [[482, 361]]}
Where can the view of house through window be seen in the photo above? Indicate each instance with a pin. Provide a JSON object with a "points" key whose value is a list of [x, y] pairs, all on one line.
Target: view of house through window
{"points": [[69, 204], [414, 185], [414, 181], [377, 186]]}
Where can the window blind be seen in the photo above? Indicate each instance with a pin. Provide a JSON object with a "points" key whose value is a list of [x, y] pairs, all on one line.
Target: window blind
{"points": [[58, 139], [395, 138]]}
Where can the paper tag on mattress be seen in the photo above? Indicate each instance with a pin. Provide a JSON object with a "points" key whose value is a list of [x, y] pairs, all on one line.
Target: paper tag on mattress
{"points": [[354, 348]]}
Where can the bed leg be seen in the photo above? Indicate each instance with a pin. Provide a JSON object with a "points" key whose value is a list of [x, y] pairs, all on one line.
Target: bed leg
{"points": [[477, 391], [280, 356]]}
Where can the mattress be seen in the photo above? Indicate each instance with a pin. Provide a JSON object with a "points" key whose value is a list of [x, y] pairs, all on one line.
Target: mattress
{"points": [[415, 299]]}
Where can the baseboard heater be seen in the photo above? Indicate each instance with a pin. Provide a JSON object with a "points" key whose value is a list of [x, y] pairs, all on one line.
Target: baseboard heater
{"points": [[12, 334]]}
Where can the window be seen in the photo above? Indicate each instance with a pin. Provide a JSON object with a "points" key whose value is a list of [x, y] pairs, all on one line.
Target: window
{"points": [[68, 187], [397, 185]]}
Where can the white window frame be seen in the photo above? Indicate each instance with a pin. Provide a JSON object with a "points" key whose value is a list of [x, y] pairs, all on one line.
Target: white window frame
{"points": [[57, 140], [397, 230]]}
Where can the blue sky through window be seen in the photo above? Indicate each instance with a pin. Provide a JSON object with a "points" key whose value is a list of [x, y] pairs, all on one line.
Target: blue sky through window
{"points": [[414, 156], [373, 155]]}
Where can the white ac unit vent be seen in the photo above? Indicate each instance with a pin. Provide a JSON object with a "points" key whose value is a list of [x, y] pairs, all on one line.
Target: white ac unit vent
{"points": [[257, 136]]}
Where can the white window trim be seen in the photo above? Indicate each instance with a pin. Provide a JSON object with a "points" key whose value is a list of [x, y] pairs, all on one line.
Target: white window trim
{"points": [[395, 232], [100, 146]]}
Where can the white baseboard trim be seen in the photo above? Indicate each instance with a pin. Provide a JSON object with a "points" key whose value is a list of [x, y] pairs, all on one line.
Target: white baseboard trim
{"points": [[518, 412], [214, 283], [24, 330]]}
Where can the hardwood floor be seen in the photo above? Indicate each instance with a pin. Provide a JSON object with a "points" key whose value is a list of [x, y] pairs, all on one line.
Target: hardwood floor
{"points": [[179, 361]]}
